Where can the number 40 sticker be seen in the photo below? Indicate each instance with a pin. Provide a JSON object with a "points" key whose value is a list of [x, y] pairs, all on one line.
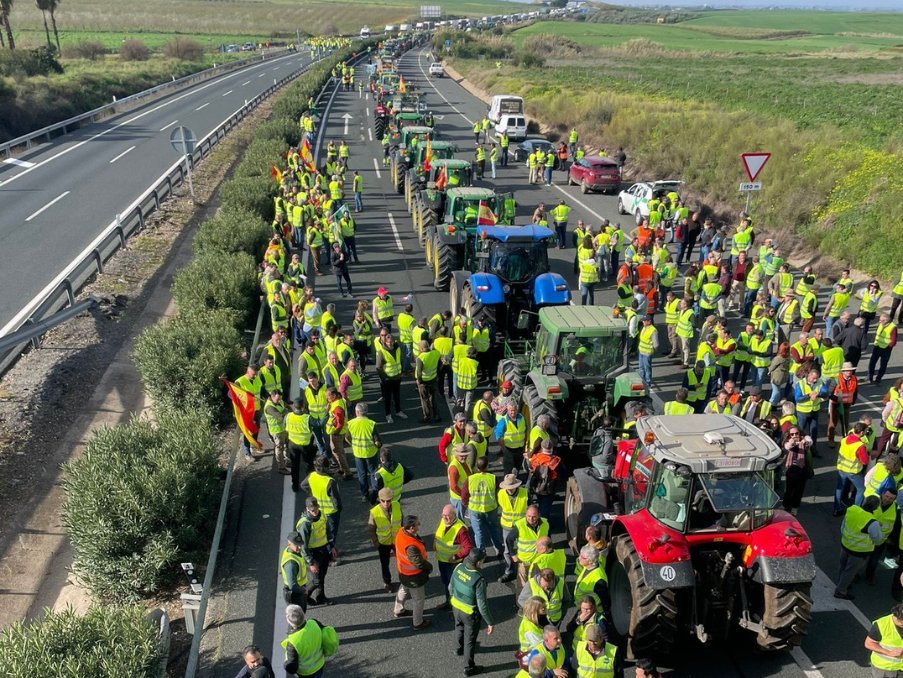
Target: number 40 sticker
{"points": [[667, 573]]}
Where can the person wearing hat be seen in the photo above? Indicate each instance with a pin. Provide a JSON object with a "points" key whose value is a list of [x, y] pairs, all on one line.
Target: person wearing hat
{"points": [[755, 409], [274, 413], [845, 391], [383, 524], [383, 313], [300, 439], [454, 435], [293, 568], [646, 348], [578, 366], [594, 655], [467, 592], [511, 432], [317, 549], [458, 472], [697, 382], [512, 500], [500, 402]]}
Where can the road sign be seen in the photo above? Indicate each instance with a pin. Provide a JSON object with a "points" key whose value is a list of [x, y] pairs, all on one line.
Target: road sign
{"points": [[753, 163], [183, 140], [448, 44], [751, 186]]}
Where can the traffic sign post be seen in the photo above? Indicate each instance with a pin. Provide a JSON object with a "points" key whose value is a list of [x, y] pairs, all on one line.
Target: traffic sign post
{"points": [[753, 164], [184, 141]]}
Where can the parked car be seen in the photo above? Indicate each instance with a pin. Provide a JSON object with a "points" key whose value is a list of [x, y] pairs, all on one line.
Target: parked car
{"points": [[436, 69], [527, 146], [635, 200], [248, 47], [231, 48], [595, 173]]}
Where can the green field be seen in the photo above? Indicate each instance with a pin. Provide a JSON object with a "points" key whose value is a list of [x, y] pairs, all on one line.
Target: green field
{"points": [[112, 40]]}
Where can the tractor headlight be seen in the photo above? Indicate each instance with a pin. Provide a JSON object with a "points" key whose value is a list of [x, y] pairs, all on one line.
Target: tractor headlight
{"points": [[506, 289]]}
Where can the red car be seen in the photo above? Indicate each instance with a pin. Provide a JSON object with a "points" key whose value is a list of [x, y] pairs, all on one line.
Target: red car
{"points": [[595, 173]]}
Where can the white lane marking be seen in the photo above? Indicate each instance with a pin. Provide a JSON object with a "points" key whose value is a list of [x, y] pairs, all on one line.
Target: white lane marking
{"points": [[49, 204], [376, 167], [579, 202], [370, 133], [803, 661], [277, 68], [228, 93], [261, 75], [454, 108], [823, 599], [128, 150], [395, 231], [19, 163], [163, 129], [368, 111], [246, 83], [202, 106], [169, 102]]}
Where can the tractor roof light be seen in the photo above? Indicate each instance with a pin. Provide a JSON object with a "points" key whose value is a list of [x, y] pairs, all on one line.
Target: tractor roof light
{"points": [[451, 230], [648, 439]]}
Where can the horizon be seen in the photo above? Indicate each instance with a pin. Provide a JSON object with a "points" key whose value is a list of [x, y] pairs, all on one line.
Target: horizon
{"points": [[811, 5]]}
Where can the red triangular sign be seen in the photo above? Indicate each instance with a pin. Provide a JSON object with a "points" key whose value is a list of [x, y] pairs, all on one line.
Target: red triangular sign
{"points": [[754, 162]]}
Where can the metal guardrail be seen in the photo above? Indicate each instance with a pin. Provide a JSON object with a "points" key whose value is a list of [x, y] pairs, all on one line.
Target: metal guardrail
{"points": [[61, 290], [126, 103]]}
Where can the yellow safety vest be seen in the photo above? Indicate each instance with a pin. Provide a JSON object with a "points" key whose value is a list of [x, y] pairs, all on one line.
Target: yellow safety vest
{"points": [[480, 339], [586, 583], [318, 529], [355, 390], [685, 324], [646, 334], [298, 427], [886, 518], [883, 335], [462, 478], [481, 487], [430, 362], [674, 407], [878, 477], [838, 303], [853, 534], [589, 271], [601, 666], [672, 312], [527, 538], [445, 540], [308, 644], [301, 577], [554, 599], [319, 483], [384, 311], [361, 430], [513, 508], [832, 361], [316, 402], [478, 408], [394, 480], [890, 640], [406, 324], [338, 404], [391, 363], [870, 302], [467, 374], [809, 405], [515, 433], [387, 526], [552, 662]]}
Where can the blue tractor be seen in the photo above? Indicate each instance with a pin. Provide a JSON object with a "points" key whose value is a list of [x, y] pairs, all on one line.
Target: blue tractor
{"points": [[506, 271]]}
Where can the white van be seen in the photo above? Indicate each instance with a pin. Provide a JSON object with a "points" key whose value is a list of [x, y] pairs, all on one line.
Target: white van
{"points": [[514, 125], [390, 28], [365, 32], [505, 104]]}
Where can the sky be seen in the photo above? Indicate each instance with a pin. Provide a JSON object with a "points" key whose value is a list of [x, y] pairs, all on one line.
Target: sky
{"points": [[845, 5]]}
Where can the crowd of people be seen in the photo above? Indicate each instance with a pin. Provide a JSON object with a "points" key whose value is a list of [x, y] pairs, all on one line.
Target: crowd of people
{"points": [[779, 372]]}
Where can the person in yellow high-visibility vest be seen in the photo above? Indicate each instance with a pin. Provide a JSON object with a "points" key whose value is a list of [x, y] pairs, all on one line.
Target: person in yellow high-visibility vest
{"points": [[294, 572], [482, 503], [383, 523], [365, 443], [859, 533], [522, 538], [648, 345], [512, 500], [300, 439], [885, 340], [452, 542], [885, 642]]}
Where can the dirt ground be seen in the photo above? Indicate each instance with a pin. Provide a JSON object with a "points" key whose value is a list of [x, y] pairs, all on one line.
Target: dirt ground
{"points": [[45, 393]]}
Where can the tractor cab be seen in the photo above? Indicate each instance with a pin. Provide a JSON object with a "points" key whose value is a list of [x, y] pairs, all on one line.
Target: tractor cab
{"points": [[388, 82], [439, 150], [409, 133], [514, 254], [409, 102], [462, 206], [408, 119]]}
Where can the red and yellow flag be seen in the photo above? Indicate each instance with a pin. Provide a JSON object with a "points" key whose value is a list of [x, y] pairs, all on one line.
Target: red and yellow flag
{"points": [[243, 406], [442, 178], [428, 156], [277, 175], [402, 88], [307, 157], [485, 216]]}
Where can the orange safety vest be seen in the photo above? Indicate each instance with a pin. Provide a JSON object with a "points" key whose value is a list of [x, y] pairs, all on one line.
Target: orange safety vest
{"points": [[644, 235], [846, 388], [402, 541]]}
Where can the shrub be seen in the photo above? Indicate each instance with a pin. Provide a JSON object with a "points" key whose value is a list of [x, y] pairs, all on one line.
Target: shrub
{"points": [[134, 50], [140, 500], [281, 129], [105, 642], [253, 194], [184, 49], [215, 281], [233, 231], [29, 62], [260, 156], [86, 49], [181, 359]]}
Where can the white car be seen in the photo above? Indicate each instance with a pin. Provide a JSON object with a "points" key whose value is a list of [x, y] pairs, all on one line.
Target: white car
{"points": [[635, 200], [437, 69]]}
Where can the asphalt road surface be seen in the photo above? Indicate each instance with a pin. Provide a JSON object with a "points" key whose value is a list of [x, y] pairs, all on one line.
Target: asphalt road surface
{"points": [[59, 196], [373, 642]]}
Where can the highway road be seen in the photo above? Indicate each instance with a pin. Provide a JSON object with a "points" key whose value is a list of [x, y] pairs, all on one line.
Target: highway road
{"points": [[59, 196], [373, 642]]}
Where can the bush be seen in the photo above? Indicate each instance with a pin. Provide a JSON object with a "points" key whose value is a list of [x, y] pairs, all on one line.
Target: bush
{"points": [[280, 129], [184, 49], [29, 62], [86, 49], [105, 642], [260, 156], [134, 50], [181, 359], [140, 500], [233, 231], [252, 194], [214, 281]]}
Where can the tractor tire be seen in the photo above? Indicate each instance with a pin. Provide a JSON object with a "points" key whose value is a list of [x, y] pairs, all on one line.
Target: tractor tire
{"points": [[509, 370], [786, 615], [407, 192], [646, 617], [534, 406], [399, 178], [379, 128], [472, 307], [428, 242], [428, 223], [443, 264]]}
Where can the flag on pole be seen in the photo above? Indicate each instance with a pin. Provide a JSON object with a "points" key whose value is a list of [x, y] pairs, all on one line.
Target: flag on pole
{"points": [[442, 178], [485, 217], [428, 156], [402, 88], [335, 216], [243, 406], [307, 157], [277, 175]]}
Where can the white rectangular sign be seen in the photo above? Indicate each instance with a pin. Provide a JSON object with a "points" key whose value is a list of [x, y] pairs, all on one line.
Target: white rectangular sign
{"points": [[751, 186]]}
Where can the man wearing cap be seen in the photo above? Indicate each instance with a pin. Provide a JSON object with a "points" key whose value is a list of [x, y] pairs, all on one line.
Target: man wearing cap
{"points": [[454, 435], [426, 371], [413, 572], [845, 392], [500, 402], [383, 313], [467, 592], [511, 432], [383, 524], [452, 543], [755, 409], [391, 474], [512, 500], [482, 504], [294, 572], [594, 655], [274, 412], [458, 472], [648, 345], [522, 538], [477, 445], [316, 548], [578, 366]]}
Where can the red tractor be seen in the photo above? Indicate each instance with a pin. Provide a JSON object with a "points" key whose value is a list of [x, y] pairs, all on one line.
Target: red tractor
{"points": [[697, 547]]}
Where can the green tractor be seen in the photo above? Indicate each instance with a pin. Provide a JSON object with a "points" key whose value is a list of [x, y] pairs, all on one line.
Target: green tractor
{"points": [[573, 370], [428, 200], [446, 243], [400, 153], [416, 175]]}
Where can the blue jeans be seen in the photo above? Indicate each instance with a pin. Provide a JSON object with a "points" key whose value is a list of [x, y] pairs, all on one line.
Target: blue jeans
{"points": [[358, 203], [829, 323], [808, 422], [857, 480], [776, 393], [704, 252], [460, 511], [316, 427], [548, 175], [406, 352], [748, 301], [486, 528], [561, 229], [644, 367], [365, 470], [759, 375], [492, 167], [588, 291]]}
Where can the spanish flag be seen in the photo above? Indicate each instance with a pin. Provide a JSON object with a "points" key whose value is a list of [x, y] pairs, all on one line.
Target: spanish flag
{"points": [[428, 156], [402, 88], [243, 405], [277, 175], [442, 178], [485, 217], [307, 157]]}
